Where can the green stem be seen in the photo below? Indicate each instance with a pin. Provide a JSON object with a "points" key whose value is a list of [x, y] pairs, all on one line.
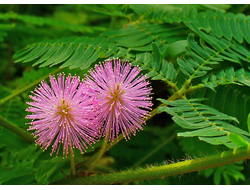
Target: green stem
{"points": [[193, 88], [16, 93], [98, 156], [72, 162], [14, 128], [179, 168]]}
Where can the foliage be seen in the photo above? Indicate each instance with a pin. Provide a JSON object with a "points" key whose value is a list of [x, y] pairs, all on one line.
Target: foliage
{"points": [[196, 57]]}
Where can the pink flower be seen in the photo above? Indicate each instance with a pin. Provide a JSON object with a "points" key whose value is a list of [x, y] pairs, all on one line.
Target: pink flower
{"points": [[122, 95], [63, 115]]}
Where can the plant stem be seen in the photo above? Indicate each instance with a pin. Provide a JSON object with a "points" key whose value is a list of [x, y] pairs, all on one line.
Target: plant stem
{"points": [[193, 88], [14, 128], [179, 168], [16, 93], [97, 157], [99, 154], [72, 162]]}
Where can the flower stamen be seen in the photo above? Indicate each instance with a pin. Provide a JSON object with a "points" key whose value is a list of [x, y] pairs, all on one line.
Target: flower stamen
{"points": [[123, 96], [63, 115]]}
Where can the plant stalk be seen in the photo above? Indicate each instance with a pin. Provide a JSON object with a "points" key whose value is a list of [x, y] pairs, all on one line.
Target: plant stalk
{"points": [[179, 168], [16, 93], [98, 156], [72, 162], [15, 129]]}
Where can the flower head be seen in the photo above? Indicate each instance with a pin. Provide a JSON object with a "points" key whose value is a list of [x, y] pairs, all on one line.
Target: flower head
{"points": [[62, 115], [123, 97]]}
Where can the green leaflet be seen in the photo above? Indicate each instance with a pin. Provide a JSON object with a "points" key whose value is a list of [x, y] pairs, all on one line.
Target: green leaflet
{"points": [[140, 37], [215, 21], [230, 99], [204, 122], [198, 60], [73, 52], [176, 48], [19, 164], [81, 52], [7, 176], [47, 169], [193, 64], [223, 174], [158, 68], [157, 57], [227, 76], [29, 165], [237, 139]]}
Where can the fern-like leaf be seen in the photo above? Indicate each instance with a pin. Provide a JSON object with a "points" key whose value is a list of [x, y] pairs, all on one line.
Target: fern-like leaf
{"points": [[73, 52], [225, 172], [19, 164], [203, 121], [140, 37], [227, 76], [81, 52], [221, 24], [200, 59], [226, 25], [230, 99], [158, 69]]}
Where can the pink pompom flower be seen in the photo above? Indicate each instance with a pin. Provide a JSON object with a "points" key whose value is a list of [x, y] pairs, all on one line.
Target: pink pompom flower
{"points": [[123, 95], [63, 115]]}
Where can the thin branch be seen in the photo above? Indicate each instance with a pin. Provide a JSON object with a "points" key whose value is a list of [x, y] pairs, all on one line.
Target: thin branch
{"points": [[14, 128], [72, 161], [16, 93]]}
